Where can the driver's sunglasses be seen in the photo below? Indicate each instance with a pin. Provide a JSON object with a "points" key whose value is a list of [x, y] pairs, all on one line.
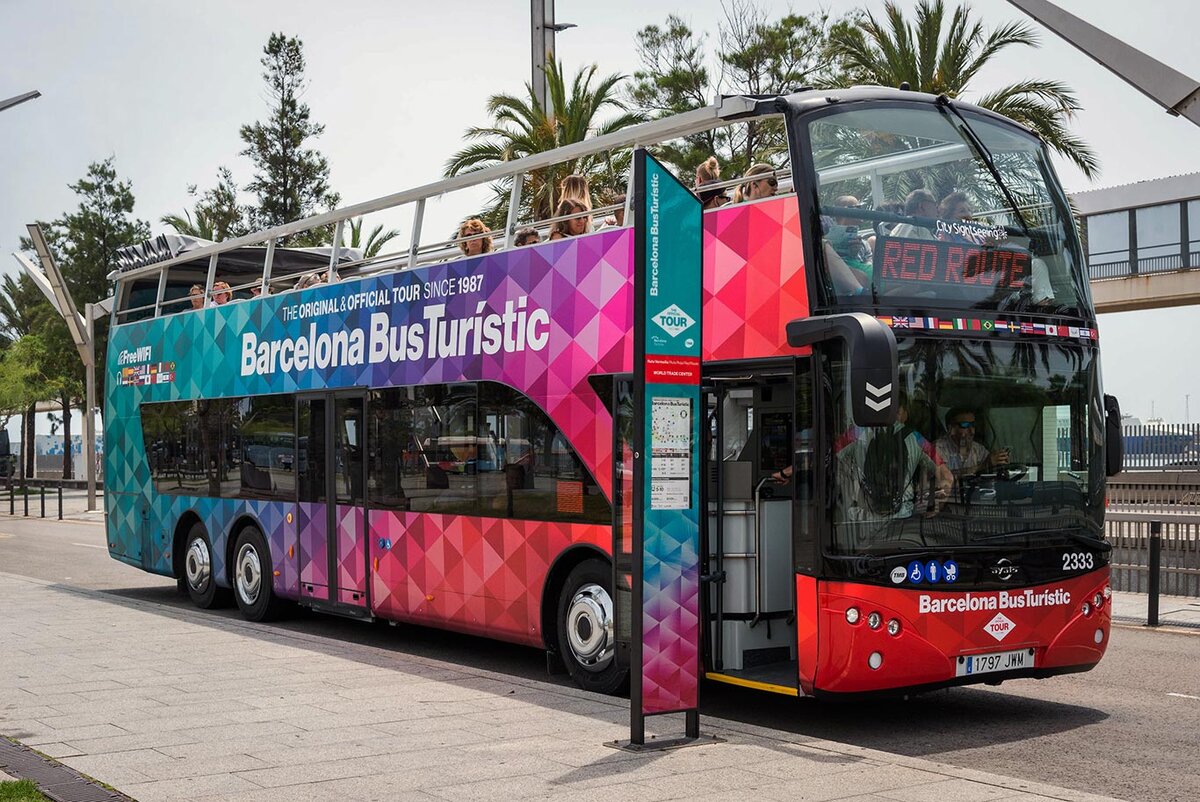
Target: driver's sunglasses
{"points": [[965, 424]]}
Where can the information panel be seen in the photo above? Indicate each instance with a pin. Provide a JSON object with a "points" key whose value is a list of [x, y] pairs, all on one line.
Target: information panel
{"points": [[668, 277]]}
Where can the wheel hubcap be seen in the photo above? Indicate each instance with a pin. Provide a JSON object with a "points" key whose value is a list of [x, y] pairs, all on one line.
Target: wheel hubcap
{"points": [[590, 633], [198, 565], [249, 573]]}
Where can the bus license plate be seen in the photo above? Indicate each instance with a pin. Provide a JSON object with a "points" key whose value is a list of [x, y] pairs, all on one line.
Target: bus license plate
{"points": [[972, 664]]}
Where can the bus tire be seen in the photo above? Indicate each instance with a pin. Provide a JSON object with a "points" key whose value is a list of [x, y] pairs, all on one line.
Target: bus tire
{"points": [[198, 573], [587, 631], [253, 578]]}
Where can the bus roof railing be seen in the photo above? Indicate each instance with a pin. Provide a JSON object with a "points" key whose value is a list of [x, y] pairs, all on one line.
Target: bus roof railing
{"points": [[726, 109]]}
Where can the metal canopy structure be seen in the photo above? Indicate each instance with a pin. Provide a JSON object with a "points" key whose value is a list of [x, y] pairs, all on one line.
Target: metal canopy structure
{"points": [[17, 100], [1166, 86], [49, 279]]}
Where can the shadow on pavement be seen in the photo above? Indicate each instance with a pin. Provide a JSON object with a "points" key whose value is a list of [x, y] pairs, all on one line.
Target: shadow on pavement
{"points": [[947, 721]]}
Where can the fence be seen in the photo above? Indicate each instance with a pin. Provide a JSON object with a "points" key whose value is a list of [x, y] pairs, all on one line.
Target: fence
{"points": [[1169, 446], [1141, 539]]}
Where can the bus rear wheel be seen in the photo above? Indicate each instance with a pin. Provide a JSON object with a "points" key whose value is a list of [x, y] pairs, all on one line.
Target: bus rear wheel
{"points": [[253, 578], [587, 631], [198, 574]]}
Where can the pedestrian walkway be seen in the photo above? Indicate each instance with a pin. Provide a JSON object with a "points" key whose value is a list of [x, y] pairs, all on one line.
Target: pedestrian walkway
{"points": [[172, 704], [1173, 611], [74, 504]]}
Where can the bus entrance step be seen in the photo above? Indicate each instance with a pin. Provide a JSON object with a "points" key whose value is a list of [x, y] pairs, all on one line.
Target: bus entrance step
{"points": [[333, 608]]}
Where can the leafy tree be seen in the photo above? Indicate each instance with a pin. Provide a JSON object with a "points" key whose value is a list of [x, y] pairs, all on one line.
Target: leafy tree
{"points": [[291, 181], [756, 55], [216, 216], [521, 127], [84, 242], [374, 242], [22, 309], [942, 56]]}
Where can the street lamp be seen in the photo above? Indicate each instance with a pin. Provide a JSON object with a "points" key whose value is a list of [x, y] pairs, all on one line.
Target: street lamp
{"points": [[18, 99], [543, 29]]}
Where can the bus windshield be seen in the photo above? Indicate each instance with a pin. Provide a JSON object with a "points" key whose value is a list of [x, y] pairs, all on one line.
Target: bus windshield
{"points": [[997, 444], [931, 206]]}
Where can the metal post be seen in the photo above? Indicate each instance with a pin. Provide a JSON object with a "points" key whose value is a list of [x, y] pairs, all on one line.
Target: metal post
{"points": [[514, 209], [415, 245], [60, 502], [267, 266], [25, 492], [12, 497], [208, 282], [1155, 560], [89, 414], [542, 42], [337, 246], [42, 493]]}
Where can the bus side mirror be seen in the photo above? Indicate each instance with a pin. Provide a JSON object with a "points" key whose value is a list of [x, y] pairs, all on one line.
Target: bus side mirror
{"points": [[874, 378], [1114, 442]]}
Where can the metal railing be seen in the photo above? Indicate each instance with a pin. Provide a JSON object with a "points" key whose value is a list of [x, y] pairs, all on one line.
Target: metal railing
{"points": [[1155, 553], [1162, 446], [724, 112]]}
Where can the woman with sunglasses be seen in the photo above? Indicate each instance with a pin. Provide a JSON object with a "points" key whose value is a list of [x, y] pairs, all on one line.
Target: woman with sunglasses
{"points": [[574, 227], [757, 188]]}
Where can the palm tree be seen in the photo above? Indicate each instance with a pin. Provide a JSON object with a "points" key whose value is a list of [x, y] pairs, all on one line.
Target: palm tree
{"points": [[934, 57], [375, 240], [521, 127]]}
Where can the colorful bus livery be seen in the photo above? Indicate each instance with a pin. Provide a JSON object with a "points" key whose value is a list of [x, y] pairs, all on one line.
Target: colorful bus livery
{"points": [[443, 439]]}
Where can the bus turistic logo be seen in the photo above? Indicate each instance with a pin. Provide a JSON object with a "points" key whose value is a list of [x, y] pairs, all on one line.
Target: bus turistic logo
{"points": [[999, 626], [673, 320]]}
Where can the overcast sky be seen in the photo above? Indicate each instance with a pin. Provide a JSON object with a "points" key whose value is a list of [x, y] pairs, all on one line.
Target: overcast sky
{"points": [[163, 85]]}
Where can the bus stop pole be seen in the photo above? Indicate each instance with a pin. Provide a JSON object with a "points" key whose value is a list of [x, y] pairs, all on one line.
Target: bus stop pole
{"points": [[89, 415]]}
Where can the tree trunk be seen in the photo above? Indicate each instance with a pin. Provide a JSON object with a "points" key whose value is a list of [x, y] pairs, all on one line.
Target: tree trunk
{"points": [[67, 455], [27, 439]]}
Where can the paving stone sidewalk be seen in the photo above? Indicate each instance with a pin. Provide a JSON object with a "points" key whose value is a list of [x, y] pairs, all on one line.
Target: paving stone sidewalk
{"points": [[175, 704]]}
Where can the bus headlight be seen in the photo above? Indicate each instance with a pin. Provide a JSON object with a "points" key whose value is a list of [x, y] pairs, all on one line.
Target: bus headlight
{"points": [[1107, 592], [894, 627], [874, 620], [1098, 601], [1087, 608], [875, 660], [852, 615]]}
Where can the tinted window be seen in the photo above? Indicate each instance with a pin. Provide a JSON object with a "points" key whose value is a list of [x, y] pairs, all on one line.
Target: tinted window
{"points": [[226, 448]]}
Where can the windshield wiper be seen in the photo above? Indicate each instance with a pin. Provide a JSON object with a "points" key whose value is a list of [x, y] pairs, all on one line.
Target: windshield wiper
{"points": [[1081, 539], [985, 155]]}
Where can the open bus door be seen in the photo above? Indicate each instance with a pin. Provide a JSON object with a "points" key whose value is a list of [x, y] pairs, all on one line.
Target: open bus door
{"points": [[759, 526], [330, 520]]}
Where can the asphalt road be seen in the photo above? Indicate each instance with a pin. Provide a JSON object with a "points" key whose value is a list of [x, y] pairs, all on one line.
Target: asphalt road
{"points": [[1130, 728]]}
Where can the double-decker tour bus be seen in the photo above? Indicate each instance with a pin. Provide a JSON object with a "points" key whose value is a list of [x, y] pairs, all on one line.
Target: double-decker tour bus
{"points": [[429, 436]]}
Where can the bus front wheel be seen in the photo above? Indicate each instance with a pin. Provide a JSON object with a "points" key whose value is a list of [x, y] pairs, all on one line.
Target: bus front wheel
{"points": [[253, 578], [586, 630], [198, 570]]}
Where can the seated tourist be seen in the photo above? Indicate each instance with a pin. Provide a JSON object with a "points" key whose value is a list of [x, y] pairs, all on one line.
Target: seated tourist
{"points": [[918, 203], [474, 247], [527, 236], [576, 226], [757, 188]]}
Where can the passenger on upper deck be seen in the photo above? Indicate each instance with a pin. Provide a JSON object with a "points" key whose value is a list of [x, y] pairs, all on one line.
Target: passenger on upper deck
{"points": [[196, 295], [474, 247], [221, 293], [709, 172], [561, 229], [527, 236], [617, 218], [757, 188], [576, 186], [919, 203]]}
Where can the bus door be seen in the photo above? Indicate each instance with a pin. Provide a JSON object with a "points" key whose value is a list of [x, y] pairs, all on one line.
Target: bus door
{"points": [[751, 533], [331, 497]]}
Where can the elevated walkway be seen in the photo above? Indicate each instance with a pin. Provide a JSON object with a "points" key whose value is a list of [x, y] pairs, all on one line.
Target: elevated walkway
{"points": [[1146, 291]]}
